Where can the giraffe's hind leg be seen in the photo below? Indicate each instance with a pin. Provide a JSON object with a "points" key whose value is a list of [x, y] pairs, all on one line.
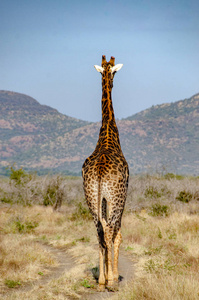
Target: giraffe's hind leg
{"points": [[104, 222], [92, 201], [108, 240], [102, 246], [115, 238], [117, 242], [101, 279], [108, 255]]}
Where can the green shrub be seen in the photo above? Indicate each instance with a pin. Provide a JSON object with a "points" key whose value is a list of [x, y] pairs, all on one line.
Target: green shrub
{"points": [[25, 227], [173, 176], [159, 210], [151, 266], [19, 176], [151, 192], [171, 234], [184, 196], [85, 283], [6, 199], [169, 176], [21, 188], [12, 283]]}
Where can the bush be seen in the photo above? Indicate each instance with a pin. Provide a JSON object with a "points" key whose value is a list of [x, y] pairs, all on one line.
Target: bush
{"points": [[6, 199], [159, 210], [28, 189], [50, 195], [22, 188], [151, 192], [173, 176], [25, 227], [54, 193], [19, 176], [184, 196], [12, 283]]}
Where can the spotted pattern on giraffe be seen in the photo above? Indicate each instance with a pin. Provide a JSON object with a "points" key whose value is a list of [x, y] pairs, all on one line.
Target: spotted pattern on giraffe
{"points": [[105, 180]]}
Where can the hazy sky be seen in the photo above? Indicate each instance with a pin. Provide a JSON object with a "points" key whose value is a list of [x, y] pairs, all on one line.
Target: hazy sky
{"points": [[48, 49]]}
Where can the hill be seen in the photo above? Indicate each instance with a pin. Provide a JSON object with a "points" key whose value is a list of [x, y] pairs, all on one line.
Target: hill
{"points": [[164, 136], [40, 138], [28, 131]]}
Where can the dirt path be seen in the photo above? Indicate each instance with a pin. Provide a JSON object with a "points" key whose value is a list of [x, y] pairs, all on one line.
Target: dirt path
{"points": [[66, 262], [126, 272]]}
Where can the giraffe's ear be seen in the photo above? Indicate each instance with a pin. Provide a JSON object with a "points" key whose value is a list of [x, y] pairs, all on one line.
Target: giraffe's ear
{"points": [[116, 68], [99, 69]]}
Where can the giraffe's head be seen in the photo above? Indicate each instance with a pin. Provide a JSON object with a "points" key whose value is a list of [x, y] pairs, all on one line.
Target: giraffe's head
{"points": [[108, 67]]}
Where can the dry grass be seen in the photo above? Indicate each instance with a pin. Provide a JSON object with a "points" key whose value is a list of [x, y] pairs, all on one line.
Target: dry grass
{"points": [[145, 191], [160, 234], [24, 259], [163, 246], [167, 251]]}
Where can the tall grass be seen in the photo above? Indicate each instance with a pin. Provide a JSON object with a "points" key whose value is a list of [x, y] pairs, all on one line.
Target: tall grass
{"points": [[160, 231]]}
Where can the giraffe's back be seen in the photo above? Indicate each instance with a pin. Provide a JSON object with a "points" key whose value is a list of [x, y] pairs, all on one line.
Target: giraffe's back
{"points": [[105, 163], [111, 171]]}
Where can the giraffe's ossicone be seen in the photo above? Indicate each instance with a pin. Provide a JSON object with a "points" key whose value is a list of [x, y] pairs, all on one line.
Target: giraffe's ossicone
{"points": [[105, 180]]}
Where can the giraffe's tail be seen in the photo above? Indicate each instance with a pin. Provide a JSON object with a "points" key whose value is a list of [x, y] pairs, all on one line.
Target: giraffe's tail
{"points": [[100, 229]]}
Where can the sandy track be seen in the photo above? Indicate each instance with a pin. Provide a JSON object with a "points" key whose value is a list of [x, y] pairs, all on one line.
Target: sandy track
{"points": [[126, 273], [66, 262]]}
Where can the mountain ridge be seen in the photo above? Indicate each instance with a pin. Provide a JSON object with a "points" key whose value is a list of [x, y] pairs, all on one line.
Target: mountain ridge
{"points": [[168, 107], [163, 136]]}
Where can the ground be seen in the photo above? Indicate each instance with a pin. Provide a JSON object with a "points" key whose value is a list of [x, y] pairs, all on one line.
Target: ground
{"points": [[47, 254]]}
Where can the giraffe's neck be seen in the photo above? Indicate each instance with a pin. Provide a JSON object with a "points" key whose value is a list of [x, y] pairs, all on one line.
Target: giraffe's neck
{"points": [[109, 132], [107, 106]]}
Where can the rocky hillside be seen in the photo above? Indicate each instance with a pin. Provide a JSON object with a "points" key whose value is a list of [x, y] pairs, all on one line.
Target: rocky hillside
{"points": [[40, 138], [29, 132], [164, 136]]}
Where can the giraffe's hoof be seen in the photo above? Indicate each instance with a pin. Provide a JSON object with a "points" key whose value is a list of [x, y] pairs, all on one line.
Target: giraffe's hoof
{"points": [[101, 288], [112, 286]]}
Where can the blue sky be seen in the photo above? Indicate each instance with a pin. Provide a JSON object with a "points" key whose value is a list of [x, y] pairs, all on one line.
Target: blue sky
{"points": [[48, 50]]}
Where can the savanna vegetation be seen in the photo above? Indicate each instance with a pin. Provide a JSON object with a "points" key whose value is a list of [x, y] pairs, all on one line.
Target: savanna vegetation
{"points": [[44, 220]]}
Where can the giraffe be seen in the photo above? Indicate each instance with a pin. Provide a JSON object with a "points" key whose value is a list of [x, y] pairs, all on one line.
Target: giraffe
{"points": [[105, 180]]}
